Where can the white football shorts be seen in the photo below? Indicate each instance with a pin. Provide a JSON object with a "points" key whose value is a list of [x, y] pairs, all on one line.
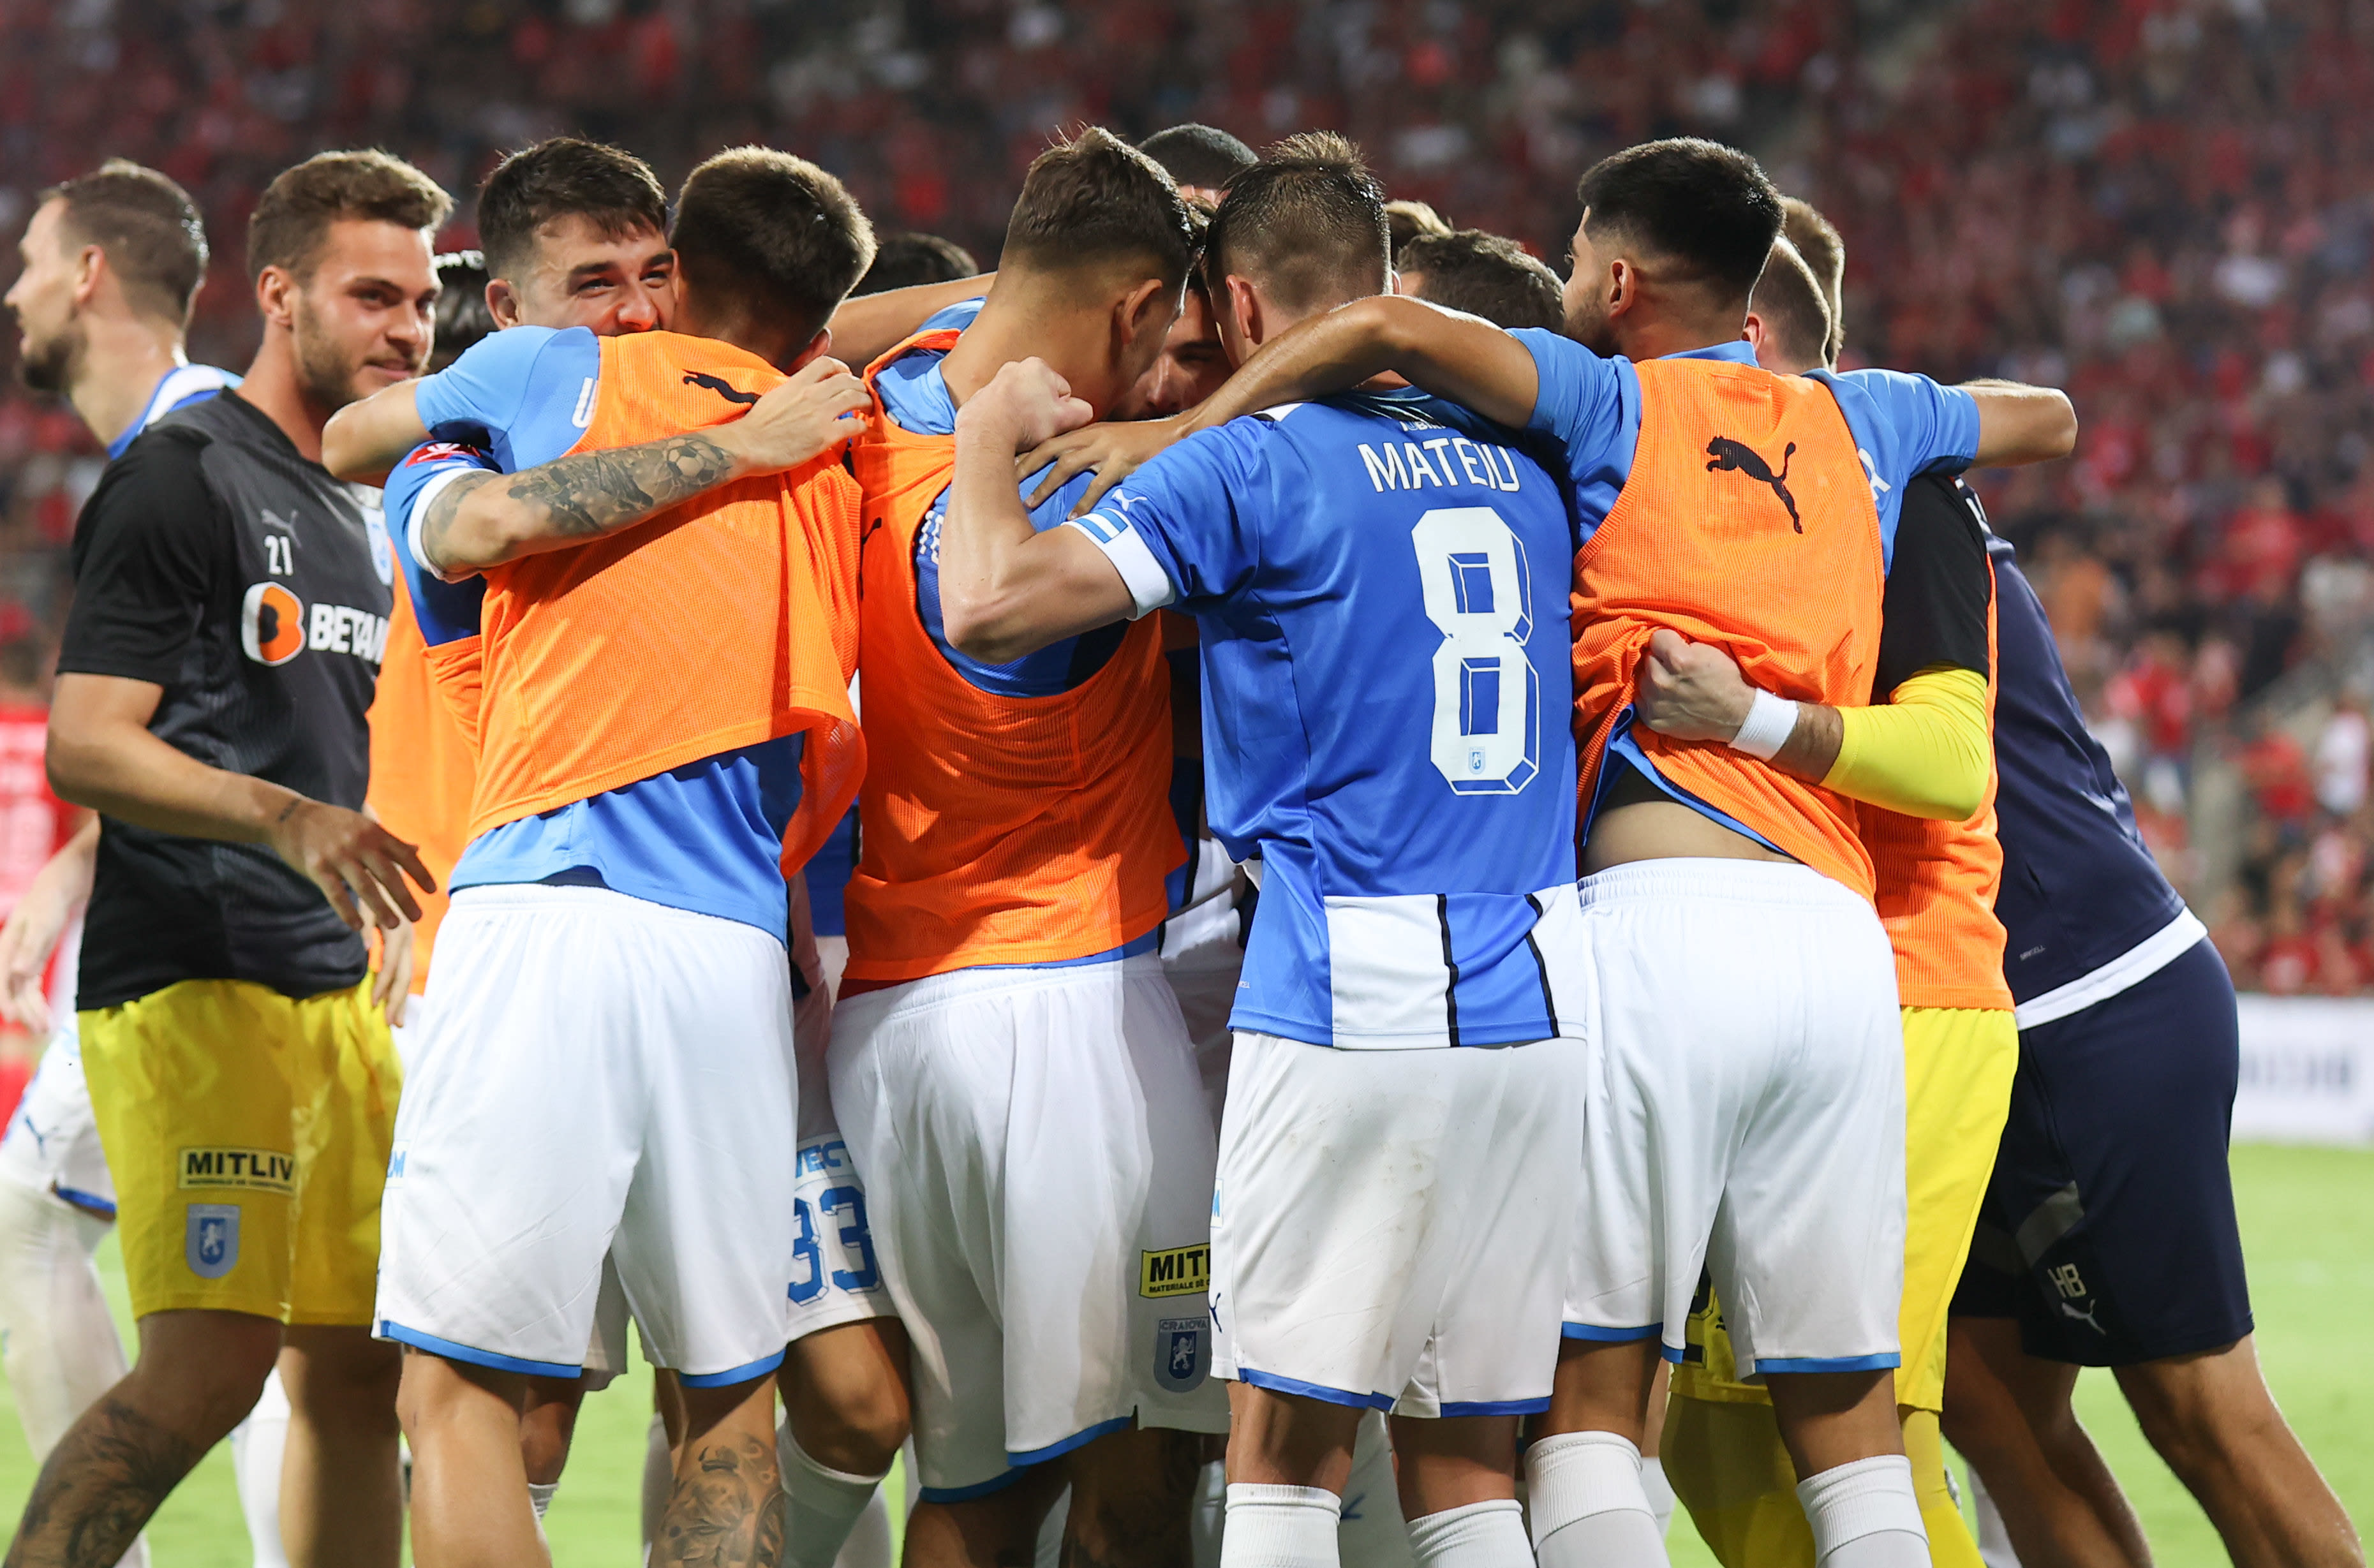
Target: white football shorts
{"points": [[605, 1075], [835, 1277], [52, 1145], [1391, 1228], [1039, 1173], [1745, 1115]]}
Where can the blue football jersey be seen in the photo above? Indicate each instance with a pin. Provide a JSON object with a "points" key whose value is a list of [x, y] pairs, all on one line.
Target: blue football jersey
{"points": [[1380, 584]]}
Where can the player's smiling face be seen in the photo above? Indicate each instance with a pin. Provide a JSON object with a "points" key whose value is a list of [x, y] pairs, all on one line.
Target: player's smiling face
{"points": [[580, 277], [43, 301], [362, 320]]}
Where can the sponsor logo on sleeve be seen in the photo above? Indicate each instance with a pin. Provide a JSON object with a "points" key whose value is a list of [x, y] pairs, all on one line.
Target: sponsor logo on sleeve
{"points": [[1175, 1272], [210, 1244], [252, 1170]]}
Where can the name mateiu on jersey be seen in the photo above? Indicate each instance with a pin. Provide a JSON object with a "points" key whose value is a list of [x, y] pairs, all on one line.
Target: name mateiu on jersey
{"points": [[1380, 583]]}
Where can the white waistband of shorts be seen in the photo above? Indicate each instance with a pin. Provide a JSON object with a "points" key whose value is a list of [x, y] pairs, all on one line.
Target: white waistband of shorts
{"points": [[2129, 969], [1749, 882], [932, 990], [547, 898]]}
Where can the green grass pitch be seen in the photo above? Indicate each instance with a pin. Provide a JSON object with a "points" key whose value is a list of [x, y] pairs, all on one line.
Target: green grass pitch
{"points": [[2308, 1218]]}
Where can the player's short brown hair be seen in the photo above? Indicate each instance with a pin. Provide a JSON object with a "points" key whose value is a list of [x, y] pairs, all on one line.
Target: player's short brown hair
{"points": [[562, 177], [150, 230], [1789, 301], [1308, 221], [1484, 275], [1818, 242], [1706, 208], [292, 219], [904, 260], [1093, 200], [780, 238], [1408, 218]]}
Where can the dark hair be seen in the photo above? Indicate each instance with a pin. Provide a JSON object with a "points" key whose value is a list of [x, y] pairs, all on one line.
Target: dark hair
{"points": [[461, 315], [1092, 200], [564, 176], [904, 260], [149, 229], [1789, 301], [1407, 219], [293, 217], [1484, 275], [1308, 221], [1700, 205], [1198, 154], [782, 237], [1825, 254]]}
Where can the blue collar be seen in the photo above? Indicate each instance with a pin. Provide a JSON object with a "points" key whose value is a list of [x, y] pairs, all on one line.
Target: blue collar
{"points": [[1738, 351]]}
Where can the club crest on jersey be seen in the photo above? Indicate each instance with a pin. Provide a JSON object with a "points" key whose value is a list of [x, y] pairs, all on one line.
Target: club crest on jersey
{"points": [[1182, 1352], [271, 623], [1175, 1272], [210, 1244]]}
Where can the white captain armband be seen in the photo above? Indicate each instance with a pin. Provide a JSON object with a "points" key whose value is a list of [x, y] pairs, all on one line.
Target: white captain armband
{"points": [[1770, 721], [1149, 586]]}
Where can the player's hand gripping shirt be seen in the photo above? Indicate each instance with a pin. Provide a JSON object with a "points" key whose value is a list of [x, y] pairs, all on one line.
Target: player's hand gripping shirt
{"points": [[1380, 585], [663, 710], [1762, 520]]}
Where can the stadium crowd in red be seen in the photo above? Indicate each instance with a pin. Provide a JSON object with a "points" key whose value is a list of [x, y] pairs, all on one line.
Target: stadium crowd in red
{"points": [[2166, 205]]}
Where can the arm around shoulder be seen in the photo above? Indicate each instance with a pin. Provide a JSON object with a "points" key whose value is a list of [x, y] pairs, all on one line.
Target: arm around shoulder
{"points": [[2021, 424], [364, 440]]}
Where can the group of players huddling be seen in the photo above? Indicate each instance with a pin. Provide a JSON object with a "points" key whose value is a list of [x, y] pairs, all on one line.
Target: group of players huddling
{"points": [[1221, 1055]]}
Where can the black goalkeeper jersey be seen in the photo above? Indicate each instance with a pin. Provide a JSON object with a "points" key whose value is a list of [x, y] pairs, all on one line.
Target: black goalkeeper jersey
{"points": [[216, 562]]}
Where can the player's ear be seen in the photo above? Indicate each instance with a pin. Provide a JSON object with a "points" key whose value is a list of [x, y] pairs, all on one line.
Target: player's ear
{"points": [[1623, 286], [275, 295], [502, 302], [1753, 331], [820, 345], [88, 268], [1245, 311]]}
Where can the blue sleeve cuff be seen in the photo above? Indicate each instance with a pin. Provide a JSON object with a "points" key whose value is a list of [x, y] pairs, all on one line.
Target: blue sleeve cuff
{"points": [[1550, 352], [1957, 428]]}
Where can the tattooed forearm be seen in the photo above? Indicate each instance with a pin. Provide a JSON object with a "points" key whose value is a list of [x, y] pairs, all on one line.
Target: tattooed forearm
{"points": [[596, 492], [568, 499], [99, 1488], [728, 1513]]}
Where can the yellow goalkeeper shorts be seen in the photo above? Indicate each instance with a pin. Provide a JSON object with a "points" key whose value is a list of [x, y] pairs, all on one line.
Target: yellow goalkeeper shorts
{"points": [[248, 1133]]}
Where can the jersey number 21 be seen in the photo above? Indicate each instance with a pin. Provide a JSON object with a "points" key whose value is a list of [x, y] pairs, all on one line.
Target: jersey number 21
{"points": [[1487, 699]]}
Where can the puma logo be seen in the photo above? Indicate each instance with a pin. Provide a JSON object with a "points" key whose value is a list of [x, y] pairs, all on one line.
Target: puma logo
{"points": [[1729, 455], [2086, 1317], [695, 379]]}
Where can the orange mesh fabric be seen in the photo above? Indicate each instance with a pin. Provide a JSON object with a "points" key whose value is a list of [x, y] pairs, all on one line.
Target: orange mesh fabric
{"points": [[421, 769], [1937, 882], [1727, 535], [997, 829], [708, 629]]}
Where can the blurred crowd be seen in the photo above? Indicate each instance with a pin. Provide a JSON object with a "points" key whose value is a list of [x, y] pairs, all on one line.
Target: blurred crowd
{"points": [[2164, 205]]}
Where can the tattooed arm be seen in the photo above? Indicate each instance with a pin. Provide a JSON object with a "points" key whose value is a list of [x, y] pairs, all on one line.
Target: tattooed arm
{"points": [[484, 520]]}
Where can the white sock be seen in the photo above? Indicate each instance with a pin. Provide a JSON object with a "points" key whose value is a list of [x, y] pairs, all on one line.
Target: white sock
{"points": [[1372, 1533], [1057, 1519], [1661, 1493], [658, 1479], [1280, 1527], [1590, 1509], [256, 1446], [1865, 1514], [869, 1539], [1994, 1540], [824, 1504], [539, 1496], [1206, 1514], [1481, 1535]]}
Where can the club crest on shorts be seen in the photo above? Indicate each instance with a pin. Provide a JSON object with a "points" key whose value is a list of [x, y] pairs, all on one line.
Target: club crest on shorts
{"points": [[211, 1244], [1182, 1354]]}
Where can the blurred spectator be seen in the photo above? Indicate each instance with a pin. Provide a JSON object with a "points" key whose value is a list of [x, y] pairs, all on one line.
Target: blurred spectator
{"points": [[2343, 753]]}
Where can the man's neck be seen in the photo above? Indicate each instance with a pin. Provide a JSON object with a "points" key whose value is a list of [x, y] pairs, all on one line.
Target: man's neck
{"points": [[1662, 335], [1011, 328], [273, 389], [122, 363]]}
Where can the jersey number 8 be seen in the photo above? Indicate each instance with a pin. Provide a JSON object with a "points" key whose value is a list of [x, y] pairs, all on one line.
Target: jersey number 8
{"points": [[1487, 698]]}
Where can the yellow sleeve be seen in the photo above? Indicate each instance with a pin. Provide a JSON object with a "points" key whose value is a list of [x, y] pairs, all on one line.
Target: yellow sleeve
{"points": [[1924, 753]]}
